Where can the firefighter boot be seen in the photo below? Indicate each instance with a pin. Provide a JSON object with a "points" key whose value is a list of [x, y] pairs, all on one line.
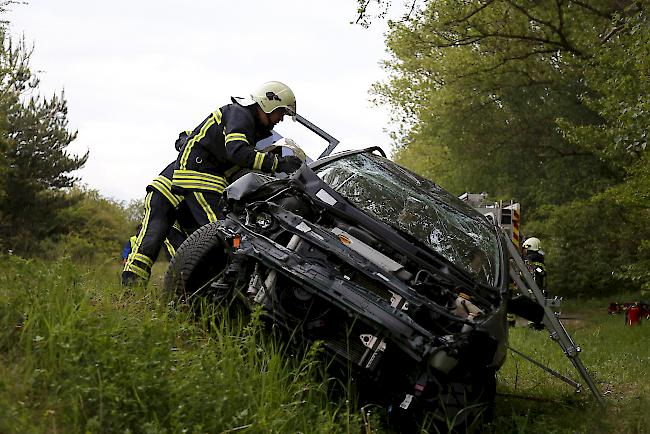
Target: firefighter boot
{"points": [[130, 280]]}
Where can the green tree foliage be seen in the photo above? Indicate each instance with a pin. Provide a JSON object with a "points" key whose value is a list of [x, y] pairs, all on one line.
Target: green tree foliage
{"points": [[134, 211], [12, 67], [42, 210], [589, 244], [484, 82], [8, 70], [39, 172], [619, 77], [541, 101], [91, 229], [36, 166]]}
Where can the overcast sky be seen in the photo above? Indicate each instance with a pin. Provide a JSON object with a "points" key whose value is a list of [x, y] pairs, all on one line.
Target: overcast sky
{"points": [[135, 73]]}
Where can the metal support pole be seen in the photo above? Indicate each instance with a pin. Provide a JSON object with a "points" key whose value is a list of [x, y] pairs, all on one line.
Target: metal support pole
{"points": [[528, 288], [577, 386]]}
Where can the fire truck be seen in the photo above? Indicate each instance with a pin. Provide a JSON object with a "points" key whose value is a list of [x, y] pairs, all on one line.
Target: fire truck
{"points": [[506, 215]]}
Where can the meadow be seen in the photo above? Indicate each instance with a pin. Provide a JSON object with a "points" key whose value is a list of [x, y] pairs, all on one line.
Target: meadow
{"points": [[79, 354]]}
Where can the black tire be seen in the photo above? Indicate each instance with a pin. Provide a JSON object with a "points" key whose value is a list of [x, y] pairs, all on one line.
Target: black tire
{"points": [[198, 261]]}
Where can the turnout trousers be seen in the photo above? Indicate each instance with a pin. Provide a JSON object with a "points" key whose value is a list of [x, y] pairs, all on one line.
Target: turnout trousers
{"points": [[203, 206], [159, 228]]}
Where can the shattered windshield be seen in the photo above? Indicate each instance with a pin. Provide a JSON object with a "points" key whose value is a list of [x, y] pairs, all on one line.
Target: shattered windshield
{"points": [[418, 207]]}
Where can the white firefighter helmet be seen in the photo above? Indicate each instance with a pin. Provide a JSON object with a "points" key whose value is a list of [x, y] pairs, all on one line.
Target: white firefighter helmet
{"points": [[532, 243], [270, 96]]}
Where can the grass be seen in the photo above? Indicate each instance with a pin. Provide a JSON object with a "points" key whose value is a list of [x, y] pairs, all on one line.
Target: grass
{"points": [[616, 356], [78, 354]]}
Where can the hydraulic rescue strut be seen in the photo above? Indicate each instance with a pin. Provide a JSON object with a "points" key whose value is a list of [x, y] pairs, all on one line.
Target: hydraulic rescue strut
{"points": [[528, 288], [331, 140]]}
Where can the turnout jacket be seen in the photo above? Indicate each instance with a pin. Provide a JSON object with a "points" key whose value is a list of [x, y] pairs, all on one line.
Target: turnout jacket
{"points": [[220, 146], [536, 261], [535, 258], [163, 184]]}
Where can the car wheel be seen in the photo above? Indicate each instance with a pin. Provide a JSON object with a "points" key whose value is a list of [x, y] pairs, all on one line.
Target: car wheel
{"points": [[198, 262]]}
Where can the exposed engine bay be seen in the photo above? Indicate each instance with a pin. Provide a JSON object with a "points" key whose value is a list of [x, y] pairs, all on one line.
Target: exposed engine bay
{"points": [[421, 318]]}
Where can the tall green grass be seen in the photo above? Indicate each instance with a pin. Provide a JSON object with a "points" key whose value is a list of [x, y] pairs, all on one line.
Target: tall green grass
{"points": [[617, 357], [78, 354]]}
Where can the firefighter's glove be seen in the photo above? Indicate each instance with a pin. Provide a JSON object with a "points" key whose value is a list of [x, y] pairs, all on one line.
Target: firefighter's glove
{"points": [[288, 164]]}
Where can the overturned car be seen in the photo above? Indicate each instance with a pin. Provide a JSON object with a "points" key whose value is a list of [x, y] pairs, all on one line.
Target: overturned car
{"points": [[404, 284]]}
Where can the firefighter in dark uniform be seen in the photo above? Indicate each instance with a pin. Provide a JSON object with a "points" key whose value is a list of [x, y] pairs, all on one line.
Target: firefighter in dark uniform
{"points": [[224, 143], [534, 257], [160, 227]]}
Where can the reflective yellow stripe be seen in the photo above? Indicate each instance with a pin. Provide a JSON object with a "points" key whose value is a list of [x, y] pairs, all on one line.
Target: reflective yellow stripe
{"points": [[199, 176], [259, 159], [212, 217], [143, 258], [145, 222], [196, 185], [204, 129], [164, 181], [191, 179], [228, 173], [164, 186], [538, 264], [236, 136], [217, 116], [137, 270], [274, 166], [170, 248]]}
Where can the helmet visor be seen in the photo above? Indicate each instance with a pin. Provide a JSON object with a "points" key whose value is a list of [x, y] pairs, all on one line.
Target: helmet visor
{"points": [[288, 111]]}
